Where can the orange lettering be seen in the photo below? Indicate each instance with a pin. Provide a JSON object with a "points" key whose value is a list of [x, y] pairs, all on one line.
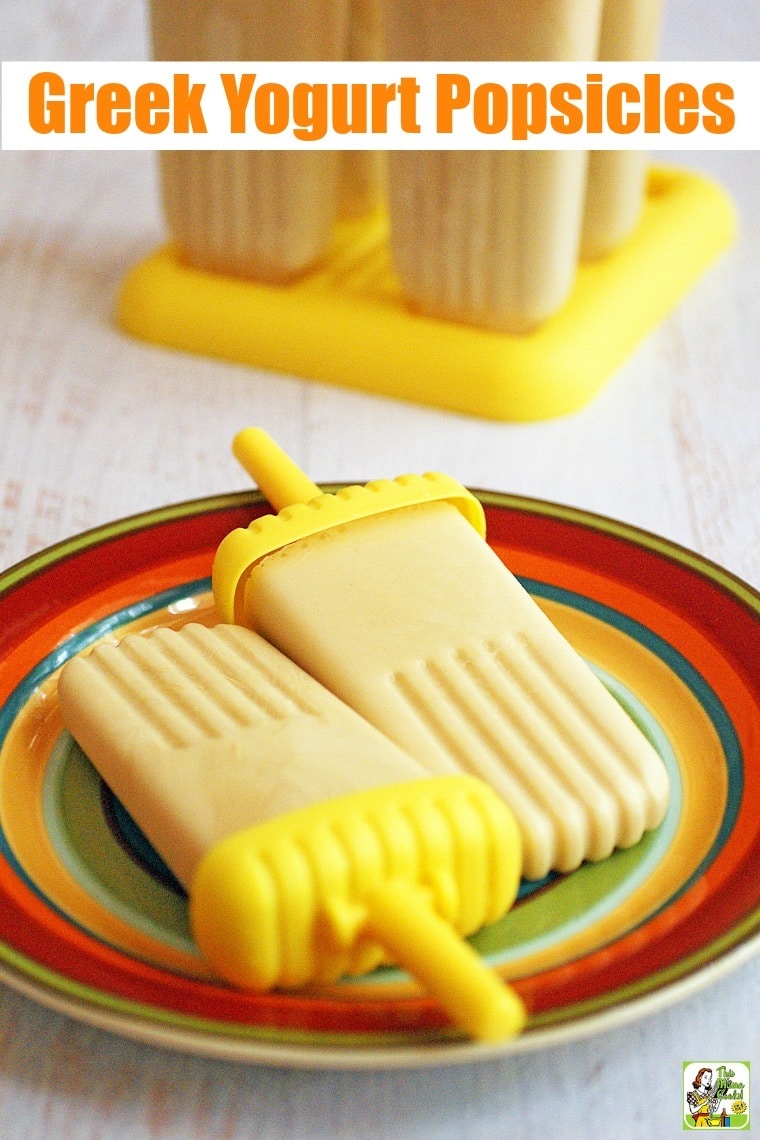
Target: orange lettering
{"points": [[355, 122], [238, 98], [490, 108], [452, 94], [570, 118], [408, 89], [723, 119], [188, 115], [271, 108], [382, 95], [81, 94], [528, 110], [47, 112], [113, 107], [151, 108], [594, 112], [310, 110], [618, 121], [681, 108], [652, 103]]}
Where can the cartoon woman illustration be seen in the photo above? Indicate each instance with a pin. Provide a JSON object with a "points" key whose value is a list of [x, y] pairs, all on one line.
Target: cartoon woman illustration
{"points": [[703, 1106]]}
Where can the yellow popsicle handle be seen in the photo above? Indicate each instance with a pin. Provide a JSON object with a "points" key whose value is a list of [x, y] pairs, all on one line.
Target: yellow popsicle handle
{"points": [[280, 479], [402, 921], [400, 873]]}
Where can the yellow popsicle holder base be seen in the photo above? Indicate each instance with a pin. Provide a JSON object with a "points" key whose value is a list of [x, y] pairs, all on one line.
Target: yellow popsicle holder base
{"points": [[346, 323], [398, 873]]}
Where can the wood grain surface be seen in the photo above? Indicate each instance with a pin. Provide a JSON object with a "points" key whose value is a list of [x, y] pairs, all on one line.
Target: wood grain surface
{"points": [[94, 426]]}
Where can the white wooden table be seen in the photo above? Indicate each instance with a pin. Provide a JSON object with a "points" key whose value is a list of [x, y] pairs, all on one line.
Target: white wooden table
{"points": [[95, 426]]}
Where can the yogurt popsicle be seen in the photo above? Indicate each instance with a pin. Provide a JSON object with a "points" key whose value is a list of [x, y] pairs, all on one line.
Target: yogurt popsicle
{"points": [[617, 179], [362, 182], [309, 843], [490, 238], [265, 215], [389, 595]]}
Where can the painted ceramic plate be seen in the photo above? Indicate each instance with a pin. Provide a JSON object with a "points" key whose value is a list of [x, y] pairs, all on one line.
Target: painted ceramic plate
{"points": [[93, 924]]}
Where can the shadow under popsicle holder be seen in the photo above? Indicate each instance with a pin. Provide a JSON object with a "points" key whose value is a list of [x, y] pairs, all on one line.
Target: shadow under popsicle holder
{"points": [[347, 323]]}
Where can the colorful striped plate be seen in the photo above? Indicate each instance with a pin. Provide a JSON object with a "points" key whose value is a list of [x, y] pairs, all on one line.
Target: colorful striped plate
{"points": [[93, 924]]}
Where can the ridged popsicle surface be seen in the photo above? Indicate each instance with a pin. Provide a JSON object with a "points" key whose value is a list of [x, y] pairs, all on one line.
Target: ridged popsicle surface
{"points": [[414, 621], [202, 732]]}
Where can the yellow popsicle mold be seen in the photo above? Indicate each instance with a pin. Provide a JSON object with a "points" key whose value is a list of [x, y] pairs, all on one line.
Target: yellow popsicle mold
{"points": [[399, 874], [346, 322], [304, 510]]}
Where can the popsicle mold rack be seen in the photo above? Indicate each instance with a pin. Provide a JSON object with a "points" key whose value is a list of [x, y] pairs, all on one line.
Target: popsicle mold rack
{"points": [[346, 322]]}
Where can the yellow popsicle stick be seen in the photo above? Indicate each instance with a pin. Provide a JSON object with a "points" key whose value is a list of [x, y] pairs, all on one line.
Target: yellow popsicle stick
{"points": [[275, 473], [418, 939]]}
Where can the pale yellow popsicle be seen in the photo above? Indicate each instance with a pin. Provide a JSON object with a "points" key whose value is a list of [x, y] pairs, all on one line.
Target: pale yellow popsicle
{"points": [[617, 178], [363, 172], [310, 844], [408, 615], [489, 238], [203, 732], [264, 215]]}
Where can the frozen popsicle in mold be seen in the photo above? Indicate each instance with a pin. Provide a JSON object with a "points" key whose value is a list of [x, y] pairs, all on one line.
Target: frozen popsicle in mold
{"points": [[263, 215], [389, 595], [362, 175], [616, 186], [489, 238], [310, 844]]}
